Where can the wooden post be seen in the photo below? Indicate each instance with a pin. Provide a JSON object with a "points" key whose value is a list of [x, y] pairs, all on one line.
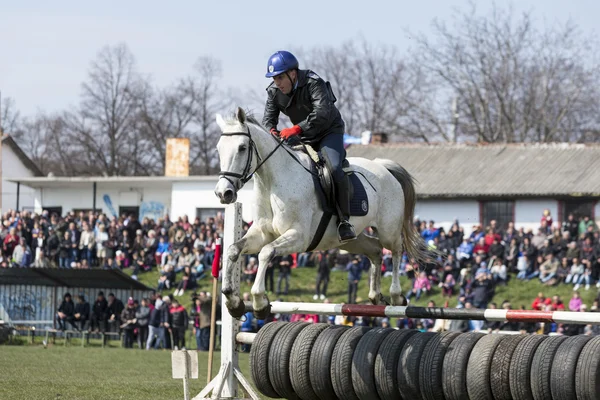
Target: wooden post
{"points": [[213, 317]]}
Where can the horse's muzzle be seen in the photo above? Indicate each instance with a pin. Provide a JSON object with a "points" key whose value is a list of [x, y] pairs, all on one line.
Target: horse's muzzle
{"points": [[226, 196]]}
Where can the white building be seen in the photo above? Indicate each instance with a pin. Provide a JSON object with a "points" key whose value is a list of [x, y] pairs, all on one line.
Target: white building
{"points": [[154, 196], [505, 182], [16, 164], [471, 183]]}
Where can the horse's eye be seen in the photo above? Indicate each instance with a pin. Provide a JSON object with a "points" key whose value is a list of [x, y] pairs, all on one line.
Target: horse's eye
{"points": [[242, 148]]}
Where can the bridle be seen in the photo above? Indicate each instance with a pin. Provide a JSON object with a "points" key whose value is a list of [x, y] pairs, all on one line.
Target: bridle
{"points": [[247, 174]]}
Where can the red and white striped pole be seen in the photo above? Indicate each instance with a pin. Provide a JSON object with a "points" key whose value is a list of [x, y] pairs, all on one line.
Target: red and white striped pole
{"points": [[357, 310]]}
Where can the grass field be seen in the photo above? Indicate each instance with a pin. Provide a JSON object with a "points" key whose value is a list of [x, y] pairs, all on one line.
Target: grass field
{"points": [[74, 373]]}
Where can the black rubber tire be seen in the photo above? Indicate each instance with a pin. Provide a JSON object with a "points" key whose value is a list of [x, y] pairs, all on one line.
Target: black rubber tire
{"points": [[259, 357], [386, 363], [279, 357], [341, 362], [320, 361], [363, 363], [587, 373], [499, 371], [300, 361], [432, 365], [454, 371], [408, 365], [520, 367], [479, 367], [542, 365], [562, 375]]}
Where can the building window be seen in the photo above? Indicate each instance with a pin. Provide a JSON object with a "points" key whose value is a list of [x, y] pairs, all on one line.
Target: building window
{"points": [[579, 208], [205, 213], [502, 211]]}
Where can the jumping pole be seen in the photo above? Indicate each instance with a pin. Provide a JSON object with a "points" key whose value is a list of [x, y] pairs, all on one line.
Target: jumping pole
{"points": [[367, 310]]}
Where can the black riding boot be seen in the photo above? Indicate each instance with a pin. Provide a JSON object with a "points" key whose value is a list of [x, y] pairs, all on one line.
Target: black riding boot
{"points": [[345, 228]]}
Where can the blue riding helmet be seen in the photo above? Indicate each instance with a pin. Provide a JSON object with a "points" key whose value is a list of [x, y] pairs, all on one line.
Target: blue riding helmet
{"points": [[281, 62]]}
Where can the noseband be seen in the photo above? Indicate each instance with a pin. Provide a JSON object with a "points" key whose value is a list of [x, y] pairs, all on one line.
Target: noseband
{"points": [[247, 174]]}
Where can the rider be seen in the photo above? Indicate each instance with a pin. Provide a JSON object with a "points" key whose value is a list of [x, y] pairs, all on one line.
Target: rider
{"points": [[308, 101]]}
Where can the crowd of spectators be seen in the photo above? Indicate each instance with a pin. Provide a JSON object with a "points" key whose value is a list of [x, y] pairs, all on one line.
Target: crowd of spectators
{"points": [[180, 250], [153, 323], [468, 267]]}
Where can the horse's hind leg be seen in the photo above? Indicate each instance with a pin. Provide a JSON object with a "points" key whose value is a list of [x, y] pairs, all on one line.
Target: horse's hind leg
{"points": [[370, 247], [395, 289]]}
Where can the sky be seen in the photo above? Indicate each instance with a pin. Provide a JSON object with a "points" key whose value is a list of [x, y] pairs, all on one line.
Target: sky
{"points": [[47, 47]]}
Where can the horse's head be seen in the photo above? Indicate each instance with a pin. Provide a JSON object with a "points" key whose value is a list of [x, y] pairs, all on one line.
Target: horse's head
{"points": [[236, 150]]}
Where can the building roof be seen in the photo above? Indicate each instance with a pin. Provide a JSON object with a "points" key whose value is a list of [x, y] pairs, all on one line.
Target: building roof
{"points": [[10, 142], [496, 170], [80, 278], [71, 181]]}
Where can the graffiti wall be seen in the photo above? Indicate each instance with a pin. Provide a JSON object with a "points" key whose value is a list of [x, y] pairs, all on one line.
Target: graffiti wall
{"points": [[35, 303], [152, 209]]}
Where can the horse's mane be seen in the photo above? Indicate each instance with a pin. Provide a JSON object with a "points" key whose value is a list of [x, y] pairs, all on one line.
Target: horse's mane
{"points": [[250, 118]]}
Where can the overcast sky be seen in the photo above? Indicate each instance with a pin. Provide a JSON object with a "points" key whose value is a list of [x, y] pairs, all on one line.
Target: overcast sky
{"points": [[47, 47]]}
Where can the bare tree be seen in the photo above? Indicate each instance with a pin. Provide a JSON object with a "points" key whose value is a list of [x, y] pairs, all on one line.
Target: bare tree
{"points": [[10, 117], [375, 88], [164, 113], [512, 82], [104, 125], [202, 87]]}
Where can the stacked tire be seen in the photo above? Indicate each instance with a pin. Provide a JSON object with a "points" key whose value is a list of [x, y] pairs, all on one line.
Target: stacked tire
{"points": [[297, 360]]}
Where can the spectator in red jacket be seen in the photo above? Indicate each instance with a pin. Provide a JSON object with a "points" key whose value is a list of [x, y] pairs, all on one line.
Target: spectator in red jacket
{"points": [[541, 301], [557, 304]]}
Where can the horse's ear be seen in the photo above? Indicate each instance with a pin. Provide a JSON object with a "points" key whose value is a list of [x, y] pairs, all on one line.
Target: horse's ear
{"points": [[220, 122], [240, 115]]}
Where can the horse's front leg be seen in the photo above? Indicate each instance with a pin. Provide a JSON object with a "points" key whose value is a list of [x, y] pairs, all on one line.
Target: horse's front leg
{"points": [[288, 243], [251, 243]]}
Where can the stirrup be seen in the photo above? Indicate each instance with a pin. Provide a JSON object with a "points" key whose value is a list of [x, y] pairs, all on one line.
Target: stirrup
{"points": [[338, 232]]}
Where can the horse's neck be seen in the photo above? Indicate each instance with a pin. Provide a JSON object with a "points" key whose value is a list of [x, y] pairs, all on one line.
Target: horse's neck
{"points": [[270, 172]]}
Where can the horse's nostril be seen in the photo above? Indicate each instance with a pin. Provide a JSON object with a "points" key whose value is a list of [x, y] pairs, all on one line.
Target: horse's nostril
{"points": [[228, 195]]}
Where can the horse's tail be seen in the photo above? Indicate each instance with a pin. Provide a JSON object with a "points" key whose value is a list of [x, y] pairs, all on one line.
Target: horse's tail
{"points": [[413, 242]]}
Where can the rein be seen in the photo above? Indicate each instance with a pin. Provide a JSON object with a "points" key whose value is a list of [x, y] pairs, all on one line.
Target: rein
{"points": [[246, 175]]}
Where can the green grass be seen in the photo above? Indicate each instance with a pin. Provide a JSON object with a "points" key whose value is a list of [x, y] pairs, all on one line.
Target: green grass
{"points": [[302, 288], [72, 372], [65, 373]]}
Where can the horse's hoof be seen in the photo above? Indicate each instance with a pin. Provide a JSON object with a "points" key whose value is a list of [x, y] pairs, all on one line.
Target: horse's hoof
{"points": [[403, 301], [239, 311], [379, 300], [262, 314]]}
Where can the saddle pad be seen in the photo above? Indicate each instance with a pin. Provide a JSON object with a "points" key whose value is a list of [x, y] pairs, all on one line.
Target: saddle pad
{"points": [[359, 203]]}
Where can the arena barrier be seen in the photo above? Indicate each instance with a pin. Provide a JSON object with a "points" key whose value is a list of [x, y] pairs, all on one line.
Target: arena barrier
{"points": [[225, 384]]}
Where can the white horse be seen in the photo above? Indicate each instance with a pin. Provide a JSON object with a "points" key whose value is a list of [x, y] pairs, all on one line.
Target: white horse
{"points": [[288, 210]]}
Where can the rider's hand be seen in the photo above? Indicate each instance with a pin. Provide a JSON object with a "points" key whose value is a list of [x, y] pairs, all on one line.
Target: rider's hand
{"points": [[274, 132], [289, 132]]}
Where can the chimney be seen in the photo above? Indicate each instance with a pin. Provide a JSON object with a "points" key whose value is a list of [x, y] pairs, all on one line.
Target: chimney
{"points": [[177, 161]]}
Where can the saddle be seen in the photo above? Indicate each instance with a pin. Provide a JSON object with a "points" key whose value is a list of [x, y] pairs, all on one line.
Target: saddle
{"points": [[325, 188]]}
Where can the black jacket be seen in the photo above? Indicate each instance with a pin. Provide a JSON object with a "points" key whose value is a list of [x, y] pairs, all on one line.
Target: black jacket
{"points": [[83, 309], [310, 106], [100, 308], [68, 308]]}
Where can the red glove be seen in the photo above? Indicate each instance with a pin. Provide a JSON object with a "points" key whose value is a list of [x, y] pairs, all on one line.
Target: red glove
{"points": [[289, 132], [274, 132]]}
